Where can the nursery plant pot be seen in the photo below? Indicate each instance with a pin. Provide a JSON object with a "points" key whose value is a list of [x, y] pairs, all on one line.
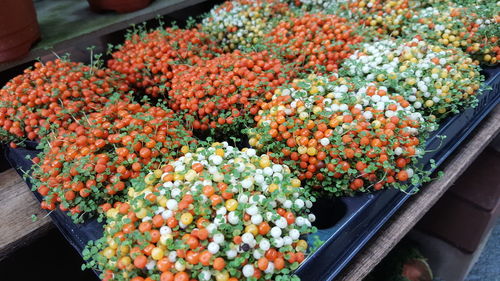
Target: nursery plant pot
{"points": [[18, 28], [417, 270], [119, 6]]}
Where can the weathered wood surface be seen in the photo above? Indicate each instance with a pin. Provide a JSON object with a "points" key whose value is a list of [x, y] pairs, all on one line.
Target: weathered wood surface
{"points": [[413, 210], [17, 205]]}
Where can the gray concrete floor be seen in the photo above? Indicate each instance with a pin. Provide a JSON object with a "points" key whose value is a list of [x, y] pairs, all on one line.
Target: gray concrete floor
{"points": [[487, 267]]}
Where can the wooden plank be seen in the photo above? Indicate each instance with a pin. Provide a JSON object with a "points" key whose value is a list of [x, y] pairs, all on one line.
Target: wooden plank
{"points": [[64, 24], [406, 218], [17, 205]]}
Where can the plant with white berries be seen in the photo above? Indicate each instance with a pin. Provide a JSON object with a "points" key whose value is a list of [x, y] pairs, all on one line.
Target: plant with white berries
{"points": [[473, 28], [216, 213], [437, 81], [241, 23], [338, 7]]}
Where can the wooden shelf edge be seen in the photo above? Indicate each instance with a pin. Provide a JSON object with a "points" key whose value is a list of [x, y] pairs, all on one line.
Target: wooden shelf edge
{"points": [[17, 205]]}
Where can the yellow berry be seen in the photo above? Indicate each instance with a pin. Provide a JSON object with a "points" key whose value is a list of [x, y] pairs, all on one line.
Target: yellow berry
{"points": [[231, 205], [186, 218], [252, 228], [124, 249], [108, 253], [157, 253], [264, 162], [157, 173], [301, 245], [252, 141], [164, 238], [191, 175], [125, 261], [149, 179], [273, 187], [111, 213], [220, 152], [162, 201], [295, 182], [178, 177], [312, 151], [411, 81], [221, 275], [317, 109], [303, 115], [180, 265], [112, 243], [218, 177], [142, 213], [302, 149]]}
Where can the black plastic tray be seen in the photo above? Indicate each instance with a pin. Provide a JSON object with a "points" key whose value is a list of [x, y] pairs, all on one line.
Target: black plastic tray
{"points": [[347, 223]]}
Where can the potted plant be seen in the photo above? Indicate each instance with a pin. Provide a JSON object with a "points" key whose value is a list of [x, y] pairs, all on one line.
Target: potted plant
{"points": [[18, 28]]}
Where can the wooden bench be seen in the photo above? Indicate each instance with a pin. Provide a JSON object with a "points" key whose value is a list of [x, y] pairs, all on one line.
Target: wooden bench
{"points": [[17, 203]]}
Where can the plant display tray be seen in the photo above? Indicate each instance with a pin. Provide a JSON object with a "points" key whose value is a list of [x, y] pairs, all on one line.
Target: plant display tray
{"points": [[345, 224]]}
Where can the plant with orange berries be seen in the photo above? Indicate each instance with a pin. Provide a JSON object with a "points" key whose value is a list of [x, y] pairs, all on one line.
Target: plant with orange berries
{"points": [[55, 94], [89, 165], [151, 59], [222, 94]]}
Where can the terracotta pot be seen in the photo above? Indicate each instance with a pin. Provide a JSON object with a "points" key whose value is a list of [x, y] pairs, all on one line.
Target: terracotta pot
{"points": [[417, 270], [119, 6], [18, 28]]}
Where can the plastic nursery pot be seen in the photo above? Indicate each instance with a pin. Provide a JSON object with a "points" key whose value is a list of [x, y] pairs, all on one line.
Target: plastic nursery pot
{"points": [[18, 28], [328, 212], [119, 6]]}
